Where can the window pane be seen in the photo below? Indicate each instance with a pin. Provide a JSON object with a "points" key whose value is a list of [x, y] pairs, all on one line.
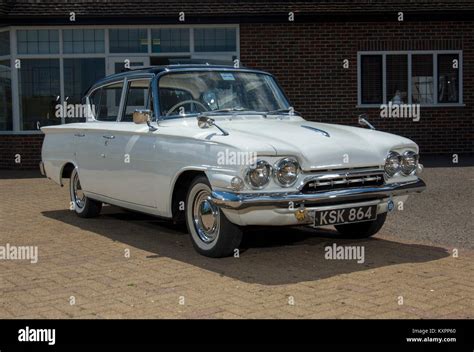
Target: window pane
{"points": [[397, 78], [39, 92], [42, 41], [215, 39], [80, 41], [106, 102], [170, 40], [79, 75], [136, 98], [128, 40], [422, 79], [371, 79], [448, 78], [6, 122], [4, 43]]}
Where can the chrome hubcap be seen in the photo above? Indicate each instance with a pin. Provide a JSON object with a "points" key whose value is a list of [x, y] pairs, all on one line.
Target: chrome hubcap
{"points": [[206, 217], [79, 197]]}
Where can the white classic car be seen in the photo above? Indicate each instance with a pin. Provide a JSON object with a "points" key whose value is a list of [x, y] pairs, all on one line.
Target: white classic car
{"points": [[221, 148]]}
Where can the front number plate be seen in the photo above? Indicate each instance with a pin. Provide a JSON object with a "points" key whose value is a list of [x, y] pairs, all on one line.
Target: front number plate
{"points": [[344, 216]]}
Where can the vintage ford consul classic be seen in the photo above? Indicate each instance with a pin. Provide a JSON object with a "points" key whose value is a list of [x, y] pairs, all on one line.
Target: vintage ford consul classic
{"points": [[222, 148]]}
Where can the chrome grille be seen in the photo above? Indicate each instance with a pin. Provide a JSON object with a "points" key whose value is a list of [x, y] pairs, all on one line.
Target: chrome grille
{"points": [[342, 180]]}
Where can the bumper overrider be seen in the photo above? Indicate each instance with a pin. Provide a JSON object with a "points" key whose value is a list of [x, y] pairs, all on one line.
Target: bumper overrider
{"points": [[237, 201]]}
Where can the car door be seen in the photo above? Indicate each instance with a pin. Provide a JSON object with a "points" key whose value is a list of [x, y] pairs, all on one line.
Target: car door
{"points": [[97, 138], [132, 154]]}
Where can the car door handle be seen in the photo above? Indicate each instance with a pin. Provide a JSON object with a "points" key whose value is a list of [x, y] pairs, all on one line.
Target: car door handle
{"points": [[109, 136], [79, 134]]}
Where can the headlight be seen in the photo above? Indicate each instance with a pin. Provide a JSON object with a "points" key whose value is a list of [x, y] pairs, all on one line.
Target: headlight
{"points": [[392, 163], [258, 176], [286, 171], [409, 163]]}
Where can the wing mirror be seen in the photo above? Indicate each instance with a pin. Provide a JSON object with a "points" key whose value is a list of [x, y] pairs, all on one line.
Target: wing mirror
{"points": [[143, 116], [364, 122], [206, 122]]}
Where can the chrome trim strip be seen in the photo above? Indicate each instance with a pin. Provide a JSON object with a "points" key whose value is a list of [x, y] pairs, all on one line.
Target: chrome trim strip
{"points": [[324, 133], [244, 200], [333, 175]]}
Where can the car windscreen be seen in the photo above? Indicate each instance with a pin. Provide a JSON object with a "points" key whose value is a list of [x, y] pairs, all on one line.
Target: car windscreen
{"points": [[184, 93]]}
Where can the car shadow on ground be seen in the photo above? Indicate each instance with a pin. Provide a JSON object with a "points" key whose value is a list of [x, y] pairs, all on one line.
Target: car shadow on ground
{"points": [[269, 256]]}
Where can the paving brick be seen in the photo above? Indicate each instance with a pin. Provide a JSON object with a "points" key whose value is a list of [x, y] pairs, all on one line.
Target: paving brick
{"points": [[84, 258]]}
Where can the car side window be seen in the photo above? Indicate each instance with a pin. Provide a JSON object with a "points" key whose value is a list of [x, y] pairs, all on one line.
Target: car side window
{"points": [[105, 102], [138, 98]]}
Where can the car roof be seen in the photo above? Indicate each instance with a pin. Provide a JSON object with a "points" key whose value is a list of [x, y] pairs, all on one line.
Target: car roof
{"points": [[154, 70]]}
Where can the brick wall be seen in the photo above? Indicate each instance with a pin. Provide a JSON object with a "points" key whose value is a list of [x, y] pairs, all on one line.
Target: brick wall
{"points": [[307, 59], [27, 146]]}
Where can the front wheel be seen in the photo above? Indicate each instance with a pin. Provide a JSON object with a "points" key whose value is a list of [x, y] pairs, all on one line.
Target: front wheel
{"points": [[83, 206], [362, 229], [212, 234]]}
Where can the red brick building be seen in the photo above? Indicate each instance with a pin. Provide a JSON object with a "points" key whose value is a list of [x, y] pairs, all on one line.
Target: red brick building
{"points": [[335, 59]]}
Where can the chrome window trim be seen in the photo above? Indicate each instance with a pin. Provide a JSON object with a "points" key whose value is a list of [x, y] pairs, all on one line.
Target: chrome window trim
{"points": [[127, 80], [209, 69], [123, 80]]}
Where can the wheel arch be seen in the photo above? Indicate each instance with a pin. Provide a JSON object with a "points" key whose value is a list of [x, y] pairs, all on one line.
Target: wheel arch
{"points": [[66, 171], [180, 189]]}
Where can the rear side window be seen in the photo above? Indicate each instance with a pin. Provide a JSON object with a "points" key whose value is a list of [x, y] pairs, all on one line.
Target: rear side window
{"points": [[138, 98], [105, 102]]}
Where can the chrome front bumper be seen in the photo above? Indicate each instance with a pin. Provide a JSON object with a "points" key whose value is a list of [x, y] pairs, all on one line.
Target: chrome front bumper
{"points": [[237, 201]]}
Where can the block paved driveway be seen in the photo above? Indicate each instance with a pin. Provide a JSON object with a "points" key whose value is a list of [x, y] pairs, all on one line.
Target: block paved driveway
{"points": [[281, 273]]}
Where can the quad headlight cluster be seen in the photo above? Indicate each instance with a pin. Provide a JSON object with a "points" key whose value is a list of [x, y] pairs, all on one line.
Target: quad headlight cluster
{"points": [[284, 172], [405, 163]]}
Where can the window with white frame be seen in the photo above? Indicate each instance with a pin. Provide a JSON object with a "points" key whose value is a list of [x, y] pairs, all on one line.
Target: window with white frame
{"points": [[170, 40], [6, 121], [59, 63], [41, 41], [411, 77], [6, 115], [214, 39], [4, 43], [80, 41], [128, 40]]}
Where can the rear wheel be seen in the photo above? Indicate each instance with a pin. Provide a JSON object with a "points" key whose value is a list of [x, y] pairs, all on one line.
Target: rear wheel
{"points": [[362, 229], [212, 234], [83, 206]]}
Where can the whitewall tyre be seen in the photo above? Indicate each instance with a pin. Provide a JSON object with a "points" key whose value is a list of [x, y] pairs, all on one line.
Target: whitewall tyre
{"points": [[212, 234], [83, 206]]}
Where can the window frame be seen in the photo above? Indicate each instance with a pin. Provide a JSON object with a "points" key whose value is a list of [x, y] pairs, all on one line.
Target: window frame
{"points": [[127, 81], [409, 54], [61, 55], [88, 102], [13, 84]]}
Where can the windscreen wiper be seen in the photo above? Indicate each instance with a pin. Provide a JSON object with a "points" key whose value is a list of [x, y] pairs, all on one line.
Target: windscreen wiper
{"points": [[223, 110], [290, 111]]}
